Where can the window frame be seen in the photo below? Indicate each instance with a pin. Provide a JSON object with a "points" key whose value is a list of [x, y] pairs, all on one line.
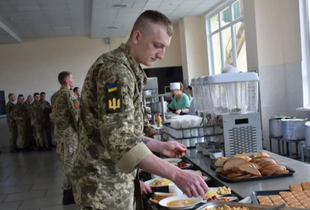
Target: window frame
{"points": [[305, 44], [232, 25]]}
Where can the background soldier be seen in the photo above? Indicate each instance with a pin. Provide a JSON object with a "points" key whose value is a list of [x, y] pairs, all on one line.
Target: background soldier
{"points": [[12, 123], [20, 114], [77, 92], [30, 134], [37, 121], [66, 113], [47, 120]]}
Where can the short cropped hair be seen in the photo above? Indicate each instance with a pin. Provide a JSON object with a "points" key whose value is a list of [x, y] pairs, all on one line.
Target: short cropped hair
{"points": [[62, 76], [42, 93], [76, 88], [20, 95], [149, 17], [11, 94], [34, 95]]}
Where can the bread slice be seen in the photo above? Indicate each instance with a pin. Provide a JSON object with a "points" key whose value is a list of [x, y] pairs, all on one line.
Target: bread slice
{"points": [[267, 172], [160, 195], [241, 155], [259, 154], [281, 172], [232, 162], [219, 170], [247, 158], [250, 170], [219, 162]]}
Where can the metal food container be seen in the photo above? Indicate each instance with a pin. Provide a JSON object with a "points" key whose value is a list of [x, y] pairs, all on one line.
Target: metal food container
{"points": [[217, 204], [200, 146]]}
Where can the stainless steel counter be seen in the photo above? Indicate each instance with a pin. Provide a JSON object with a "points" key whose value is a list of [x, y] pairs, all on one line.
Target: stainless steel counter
{"points": [[244, 189]]}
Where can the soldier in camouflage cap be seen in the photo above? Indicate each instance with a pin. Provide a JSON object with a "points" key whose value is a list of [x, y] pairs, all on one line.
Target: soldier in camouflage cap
{"points": [[20, 114], [111, 142], [12, 123], [65, 106], [37, 121]]}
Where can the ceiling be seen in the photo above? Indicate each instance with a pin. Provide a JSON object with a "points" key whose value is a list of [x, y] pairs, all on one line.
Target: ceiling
{"points": [[23, 19]]}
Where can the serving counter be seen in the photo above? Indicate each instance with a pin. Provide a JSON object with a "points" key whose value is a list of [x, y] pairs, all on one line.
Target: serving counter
{"points": [[245, 189]]}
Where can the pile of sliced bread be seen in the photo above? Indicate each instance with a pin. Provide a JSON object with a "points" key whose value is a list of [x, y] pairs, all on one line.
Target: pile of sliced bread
{"points": [[243, 166]]}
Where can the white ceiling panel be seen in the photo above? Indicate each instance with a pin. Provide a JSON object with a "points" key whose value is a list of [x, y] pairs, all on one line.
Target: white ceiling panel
{"points": [[49, 18]]}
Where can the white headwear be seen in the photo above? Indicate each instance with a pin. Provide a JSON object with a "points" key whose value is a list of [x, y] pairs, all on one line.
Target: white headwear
{"points": [[230, 69], [175, 86]]}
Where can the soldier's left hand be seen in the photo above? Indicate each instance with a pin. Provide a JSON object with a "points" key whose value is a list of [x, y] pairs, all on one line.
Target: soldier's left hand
{"points": [[145, 189], [174, 149]]}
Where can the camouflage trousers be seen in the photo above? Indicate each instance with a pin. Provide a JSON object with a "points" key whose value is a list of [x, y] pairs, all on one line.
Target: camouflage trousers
{"points": [[38, 129], [66, 149], [47, 127], [29, 129], [22, 129], [13, 138]]}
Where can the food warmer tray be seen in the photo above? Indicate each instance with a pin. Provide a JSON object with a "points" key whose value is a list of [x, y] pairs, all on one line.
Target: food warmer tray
{"points": [[224, 178], [265, 193], [217, 204]]}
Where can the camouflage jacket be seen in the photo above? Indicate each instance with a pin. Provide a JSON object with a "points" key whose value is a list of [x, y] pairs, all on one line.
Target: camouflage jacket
{"points": [[37, 113], [111, 130], [66, 111], [28, 109], [47, 110], [9, 111], [19, 111]]}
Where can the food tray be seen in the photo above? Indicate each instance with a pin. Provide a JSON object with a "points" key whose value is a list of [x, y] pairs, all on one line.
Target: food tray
{"points": [[265, 193], [224, 178], [217, 204]]}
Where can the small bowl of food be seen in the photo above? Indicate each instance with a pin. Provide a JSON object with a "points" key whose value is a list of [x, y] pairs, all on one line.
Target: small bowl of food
{"points": [[180, 202]]}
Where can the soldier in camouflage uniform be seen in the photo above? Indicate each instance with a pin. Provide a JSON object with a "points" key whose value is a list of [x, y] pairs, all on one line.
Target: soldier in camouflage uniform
{"points": [[65, 106], [37, 121], [47, 120], [29, 129], [111, 143], [12, 123], [77, 92], [20, 114]]}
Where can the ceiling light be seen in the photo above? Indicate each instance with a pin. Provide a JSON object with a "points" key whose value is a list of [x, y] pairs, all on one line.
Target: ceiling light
{"points": [[119, 5], [113, 27]]}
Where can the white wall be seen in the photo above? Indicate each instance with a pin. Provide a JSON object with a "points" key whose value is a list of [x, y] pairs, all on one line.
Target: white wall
{"points": [[194, 47], [33, 66]]}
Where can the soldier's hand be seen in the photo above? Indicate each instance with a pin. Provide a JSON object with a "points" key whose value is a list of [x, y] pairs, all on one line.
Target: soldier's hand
{"points": [[145, 189], [174, 149], [191, 184]]}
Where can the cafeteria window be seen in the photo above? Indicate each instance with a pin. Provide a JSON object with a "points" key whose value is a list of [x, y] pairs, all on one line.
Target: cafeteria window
{"points": [[226, 37], [2, 102]]}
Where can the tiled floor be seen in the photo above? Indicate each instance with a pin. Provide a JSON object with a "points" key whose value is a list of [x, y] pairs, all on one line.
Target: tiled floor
{"points": [[31, 181]]}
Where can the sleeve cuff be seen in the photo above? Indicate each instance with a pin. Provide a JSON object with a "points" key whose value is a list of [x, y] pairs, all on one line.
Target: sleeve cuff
{"points": [[133, 157]]}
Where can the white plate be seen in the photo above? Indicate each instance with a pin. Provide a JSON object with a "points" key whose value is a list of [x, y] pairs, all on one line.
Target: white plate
{"points": [[173, 161], [167, 200], [148, 182]]}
